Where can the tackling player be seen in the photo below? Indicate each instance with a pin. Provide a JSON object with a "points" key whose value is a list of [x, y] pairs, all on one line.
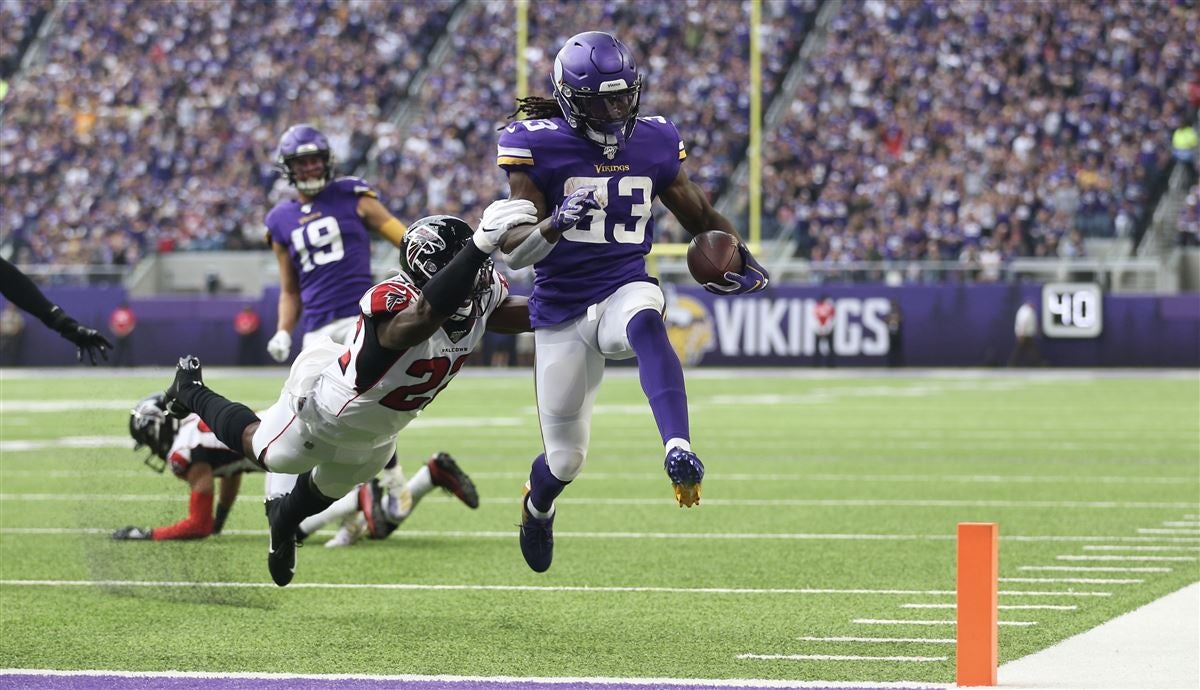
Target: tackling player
{"points": [[21, 291], [338, 415], [593, 169]]}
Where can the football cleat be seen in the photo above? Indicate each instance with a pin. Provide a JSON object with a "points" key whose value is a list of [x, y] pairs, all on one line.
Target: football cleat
{"points": [[353, 528], [187, 375], [281, 552], [375, 517], [537, 537], [686, 472], [446, 473]]}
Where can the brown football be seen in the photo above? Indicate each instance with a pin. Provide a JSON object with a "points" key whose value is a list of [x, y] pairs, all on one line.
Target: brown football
{"points": [[711, 254]]}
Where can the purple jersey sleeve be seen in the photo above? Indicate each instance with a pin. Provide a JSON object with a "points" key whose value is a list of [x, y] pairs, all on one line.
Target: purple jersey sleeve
{"points": [[608, 247], [329, 247]]}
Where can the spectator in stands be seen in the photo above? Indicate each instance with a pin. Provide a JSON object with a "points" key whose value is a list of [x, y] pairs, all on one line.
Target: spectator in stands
{"points": [[121, 323], [1189, 219], [12, 335], [1184, 145], [895, 326], [248, 324]]}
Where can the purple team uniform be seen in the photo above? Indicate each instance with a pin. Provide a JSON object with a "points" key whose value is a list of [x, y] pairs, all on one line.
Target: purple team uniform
{"points": [[330, 248], [608, 248]]}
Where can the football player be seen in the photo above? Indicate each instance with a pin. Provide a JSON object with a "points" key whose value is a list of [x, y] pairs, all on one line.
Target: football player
{"points": [[338, 415], [21, 291], [321, 241], [593, 168], [195, 456], [322, 244]]}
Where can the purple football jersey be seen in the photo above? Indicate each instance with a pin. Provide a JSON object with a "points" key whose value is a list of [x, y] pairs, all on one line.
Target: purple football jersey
{"points": [[608, 249], [330, 249]]}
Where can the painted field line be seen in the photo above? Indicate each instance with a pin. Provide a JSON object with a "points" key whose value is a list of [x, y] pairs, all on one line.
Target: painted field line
{"points": [[888, 621], [1075, 580], [474, 681], [10, 406], [837, 657], [1178, 523], [1166, 530], [1127, 558], [922, 640], [1094, 547], [72, 442], [886, 478], [734, 502], [511, 588], [494, 534], [1093, 569], [1008, 607]]}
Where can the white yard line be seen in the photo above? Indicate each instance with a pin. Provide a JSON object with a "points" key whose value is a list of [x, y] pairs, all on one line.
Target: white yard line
{"points": [[888, 621], [738, 502], [1177, 523], [1127, 558], [1093, 569], [837, 657], [1166, 530], [1075, 580], [1093, 547], [922, 640], [513, 588]]}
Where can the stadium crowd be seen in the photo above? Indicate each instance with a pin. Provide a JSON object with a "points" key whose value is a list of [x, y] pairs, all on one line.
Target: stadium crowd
{"points": [[930, 129], [978, 132], [150, 126]]}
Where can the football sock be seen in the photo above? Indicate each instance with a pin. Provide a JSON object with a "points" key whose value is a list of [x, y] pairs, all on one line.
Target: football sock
{"points": [[544, 487], [226, 418], [661, 374], [306, 499], [346, 505], [420, 483]]}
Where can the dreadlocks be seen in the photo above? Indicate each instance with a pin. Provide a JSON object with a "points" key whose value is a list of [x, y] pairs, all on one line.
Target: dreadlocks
{"points": [[536, 108]]}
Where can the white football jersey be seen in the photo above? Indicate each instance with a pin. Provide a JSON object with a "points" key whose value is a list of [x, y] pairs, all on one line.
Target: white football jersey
{"points": [[369, 393]]}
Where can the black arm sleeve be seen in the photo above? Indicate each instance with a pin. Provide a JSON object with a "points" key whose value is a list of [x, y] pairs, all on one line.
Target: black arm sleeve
{"points": [[21, 291], [449, 288]]}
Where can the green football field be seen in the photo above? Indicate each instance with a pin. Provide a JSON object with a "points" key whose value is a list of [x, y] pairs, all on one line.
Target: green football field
{"points": [[828, 518]]}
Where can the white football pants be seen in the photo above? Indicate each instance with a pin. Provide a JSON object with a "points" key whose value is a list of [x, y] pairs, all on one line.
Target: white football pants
{"points": [[570, 365]]}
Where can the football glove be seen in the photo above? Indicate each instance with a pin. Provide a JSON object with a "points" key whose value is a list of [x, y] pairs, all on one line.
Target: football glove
{"points": [[280, 346], [500, 217], [85, 339], [571, 210], [130, 533], [752, 278]]}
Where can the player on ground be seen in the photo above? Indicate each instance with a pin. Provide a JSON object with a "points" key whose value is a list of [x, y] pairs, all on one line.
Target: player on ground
{"points": [[195, 456], [593, 168], [338, 415], [322, 243]]}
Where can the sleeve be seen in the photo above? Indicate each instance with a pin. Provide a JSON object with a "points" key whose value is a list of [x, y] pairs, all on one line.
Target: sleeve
{"points": [[388, 298], [269, 225], [21, 291], [673, 155], [513, 150]]}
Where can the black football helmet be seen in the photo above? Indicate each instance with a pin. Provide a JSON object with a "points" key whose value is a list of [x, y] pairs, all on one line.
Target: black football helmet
{"points": [[429, 245], [152, 428]]}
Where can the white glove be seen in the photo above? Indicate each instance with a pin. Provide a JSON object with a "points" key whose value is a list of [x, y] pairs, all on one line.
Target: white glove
{"points": [[501, 217], [280, 346]]}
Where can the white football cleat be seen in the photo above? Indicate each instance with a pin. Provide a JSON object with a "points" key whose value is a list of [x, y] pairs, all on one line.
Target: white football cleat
{"points": [[354, 527]]}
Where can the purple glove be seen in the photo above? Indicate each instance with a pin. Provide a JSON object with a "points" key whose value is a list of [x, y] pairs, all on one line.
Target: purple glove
{"points": [[752, 278], [572, 208]]}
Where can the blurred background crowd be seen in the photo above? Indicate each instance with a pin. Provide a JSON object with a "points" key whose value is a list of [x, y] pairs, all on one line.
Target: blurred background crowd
{"points": [[931, 129]]}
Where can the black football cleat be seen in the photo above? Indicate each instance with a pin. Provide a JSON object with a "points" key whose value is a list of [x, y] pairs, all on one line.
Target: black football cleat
{"points": [[281, 552], [447, 474], [370, 501], [686, 473], [187, 375], [537, 537]]}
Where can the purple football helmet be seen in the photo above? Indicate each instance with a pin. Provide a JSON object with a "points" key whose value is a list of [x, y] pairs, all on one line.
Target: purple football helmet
{"points": [[597, 85], [302, 141]]}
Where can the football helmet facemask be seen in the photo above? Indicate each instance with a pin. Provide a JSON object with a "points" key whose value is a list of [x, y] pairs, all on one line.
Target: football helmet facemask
{"points": [[151, 428], [597, 85], [429, 244], [301, 142]]}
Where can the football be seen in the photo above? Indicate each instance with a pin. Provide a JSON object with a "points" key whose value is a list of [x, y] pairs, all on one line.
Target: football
{"points": [[711, 254]]}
